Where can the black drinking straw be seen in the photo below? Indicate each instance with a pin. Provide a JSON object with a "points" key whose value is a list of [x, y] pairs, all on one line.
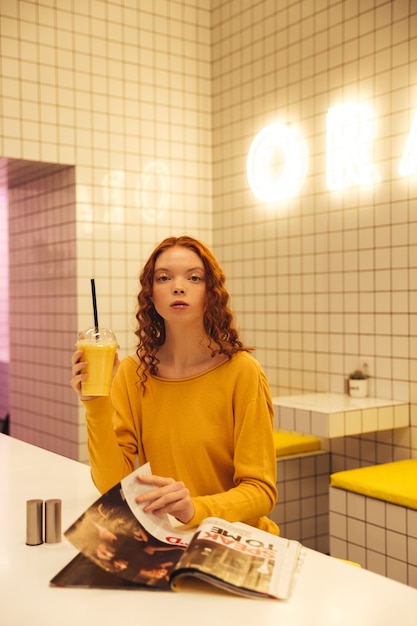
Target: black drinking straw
{"points": [[93, 293]]}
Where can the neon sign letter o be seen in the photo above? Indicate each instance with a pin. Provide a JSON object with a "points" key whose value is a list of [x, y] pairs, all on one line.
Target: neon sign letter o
{"points": [[268, 182]]}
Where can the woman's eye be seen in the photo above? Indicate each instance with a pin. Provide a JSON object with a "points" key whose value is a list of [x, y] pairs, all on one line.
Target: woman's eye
{"points": [[162, 279], [195, 279]]}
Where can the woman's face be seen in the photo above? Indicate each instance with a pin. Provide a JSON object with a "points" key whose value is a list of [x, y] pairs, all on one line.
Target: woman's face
{"points": [[179, 286]]}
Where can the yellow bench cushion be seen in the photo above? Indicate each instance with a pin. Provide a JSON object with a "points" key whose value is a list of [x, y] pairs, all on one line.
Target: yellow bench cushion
{"points": [[287, 442], [393, 482]]}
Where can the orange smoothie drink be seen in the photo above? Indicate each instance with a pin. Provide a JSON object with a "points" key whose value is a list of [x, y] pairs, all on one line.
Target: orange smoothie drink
{"points": [[99, 350]]}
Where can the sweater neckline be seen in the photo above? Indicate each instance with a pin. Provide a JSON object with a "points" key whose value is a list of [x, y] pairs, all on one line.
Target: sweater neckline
{"points": [[188, 378]]}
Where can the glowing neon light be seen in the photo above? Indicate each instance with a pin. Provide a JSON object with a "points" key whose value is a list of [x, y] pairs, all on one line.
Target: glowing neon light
{"points": [[113, 196], [277, 163], [350, 130], [408, 163], [152, 192]]}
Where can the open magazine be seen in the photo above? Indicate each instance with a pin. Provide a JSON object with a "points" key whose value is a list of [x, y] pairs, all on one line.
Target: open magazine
{"points": [[121, 546]]}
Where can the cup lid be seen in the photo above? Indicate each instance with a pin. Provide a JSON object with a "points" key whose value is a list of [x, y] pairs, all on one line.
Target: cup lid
{"points": [[104, 335]]}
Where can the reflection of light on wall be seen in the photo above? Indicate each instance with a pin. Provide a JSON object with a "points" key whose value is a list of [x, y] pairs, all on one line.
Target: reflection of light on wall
{"points": [[113, 196], [277, 163], [350, 130], [152, 191], [408, 161]]}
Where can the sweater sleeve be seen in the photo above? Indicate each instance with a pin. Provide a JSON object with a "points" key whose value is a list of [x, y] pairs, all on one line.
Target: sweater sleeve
{"points": [[112, 454], [254, 495]]}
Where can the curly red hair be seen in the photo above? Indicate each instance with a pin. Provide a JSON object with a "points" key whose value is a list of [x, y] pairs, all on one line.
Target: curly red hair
{"points": [[218, 318]]}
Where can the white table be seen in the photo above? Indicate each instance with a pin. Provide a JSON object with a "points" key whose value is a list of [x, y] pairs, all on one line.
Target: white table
{"points": [[331, 415], [327, 592]]}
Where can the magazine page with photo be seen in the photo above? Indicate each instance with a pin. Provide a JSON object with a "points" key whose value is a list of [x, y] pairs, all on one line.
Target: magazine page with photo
{"points": [[121, 546], [111, 537]]}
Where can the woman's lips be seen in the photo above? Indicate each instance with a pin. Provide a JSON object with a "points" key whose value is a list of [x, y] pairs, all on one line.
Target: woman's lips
{"points": [[179, 304]]}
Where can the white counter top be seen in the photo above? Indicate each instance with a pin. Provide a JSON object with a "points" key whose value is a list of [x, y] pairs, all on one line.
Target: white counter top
{"points": [[327, 592], [338, 415]]}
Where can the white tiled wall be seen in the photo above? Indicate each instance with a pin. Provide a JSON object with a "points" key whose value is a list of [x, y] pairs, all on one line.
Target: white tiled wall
{"points": [[302, 509], [380, 536], [122, 92], [326, 279], [156, 105]]}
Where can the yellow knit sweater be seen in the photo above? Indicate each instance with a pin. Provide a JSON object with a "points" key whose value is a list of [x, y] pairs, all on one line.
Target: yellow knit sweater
{"points": [[212, 431]]}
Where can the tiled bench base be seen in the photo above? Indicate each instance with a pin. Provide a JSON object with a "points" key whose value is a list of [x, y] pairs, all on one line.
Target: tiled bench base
{"points": [[379, 535], [302, 510]]}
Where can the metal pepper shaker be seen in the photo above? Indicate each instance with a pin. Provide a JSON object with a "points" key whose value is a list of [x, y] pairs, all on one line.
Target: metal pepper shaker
{"points": [[34, 522], [53, 520]]}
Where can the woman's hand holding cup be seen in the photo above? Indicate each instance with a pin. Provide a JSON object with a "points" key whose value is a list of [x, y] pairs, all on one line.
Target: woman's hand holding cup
{"points": [[94, 363]]}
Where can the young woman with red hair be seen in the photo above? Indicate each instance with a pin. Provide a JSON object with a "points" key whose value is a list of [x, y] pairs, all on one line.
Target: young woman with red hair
{"points": [[192, 400]]}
